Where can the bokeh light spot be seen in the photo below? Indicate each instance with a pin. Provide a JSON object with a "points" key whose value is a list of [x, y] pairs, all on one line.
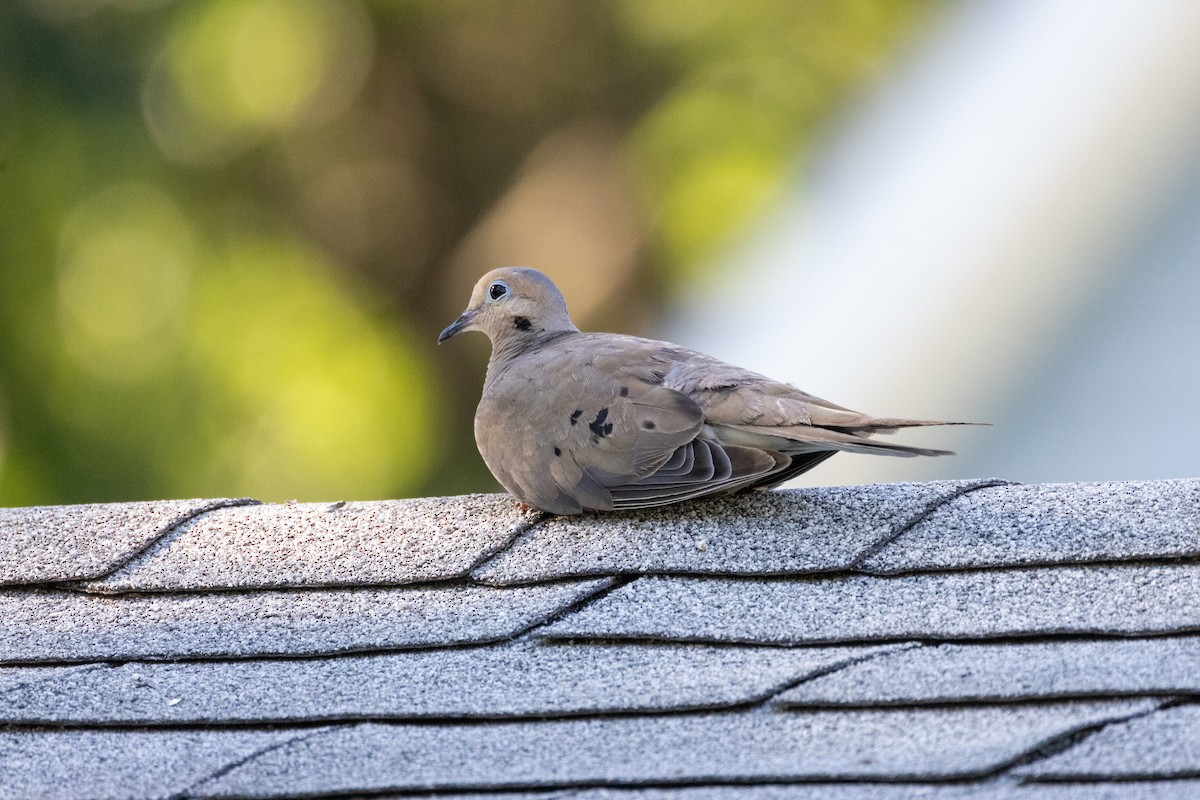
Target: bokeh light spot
{"points": [[328, 402], [125, 260], [275, 61], [237, 70], [713, 199], [711, 160]]}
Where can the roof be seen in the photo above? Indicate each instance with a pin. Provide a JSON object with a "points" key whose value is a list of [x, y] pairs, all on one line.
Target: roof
{"points": [[941, 640]]}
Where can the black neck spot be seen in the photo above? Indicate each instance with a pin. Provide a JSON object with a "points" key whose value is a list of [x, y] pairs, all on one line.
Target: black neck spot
{"points": [[522, 323]]}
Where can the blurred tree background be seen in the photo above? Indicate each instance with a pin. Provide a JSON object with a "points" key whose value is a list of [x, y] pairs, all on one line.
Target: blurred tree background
{"points": [[231, 230]]}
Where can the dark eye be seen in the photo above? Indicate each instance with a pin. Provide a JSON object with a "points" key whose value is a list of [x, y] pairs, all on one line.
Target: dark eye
{"points": [[497, 290]]}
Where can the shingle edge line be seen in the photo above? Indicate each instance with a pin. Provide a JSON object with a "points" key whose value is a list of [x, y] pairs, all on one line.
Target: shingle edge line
{"points": [[1068, 739], [855, 564], [884, 649], [607, 586], [522, 532], [225, 769], [165, 533]]}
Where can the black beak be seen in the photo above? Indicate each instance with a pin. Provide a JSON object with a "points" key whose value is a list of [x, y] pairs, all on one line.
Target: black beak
{"points": [[457, 326]]}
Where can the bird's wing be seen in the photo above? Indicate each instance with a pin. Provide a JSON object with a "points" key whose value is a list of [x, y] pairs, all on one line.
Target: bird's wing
{"points": [[748, 409], [588, 424]]}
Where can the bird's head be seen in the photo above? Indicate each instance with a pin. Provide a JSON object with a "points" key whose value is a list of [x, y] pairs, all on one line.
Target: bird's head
{"points": [[512, 303]]}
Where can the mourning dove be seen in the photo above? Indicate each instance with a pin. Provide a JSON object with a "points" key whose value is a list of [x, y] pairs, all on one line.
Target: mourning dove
{"points": [[573, 421]]}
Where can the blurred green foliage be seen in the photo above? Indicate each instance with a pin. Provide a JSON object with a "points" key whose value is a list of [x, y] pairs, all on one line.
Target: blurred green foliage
{"points": [[230, 230]]}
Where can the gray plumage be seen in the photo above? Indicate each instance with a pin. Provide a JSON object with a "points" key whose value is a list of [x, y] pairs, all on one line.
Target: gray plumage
{"points": [[571, 421]]}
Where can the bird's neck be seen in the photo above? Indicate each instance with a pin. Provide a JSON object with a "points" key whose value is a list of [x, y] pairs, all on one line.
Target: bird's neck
{"points": [[511, 347]]}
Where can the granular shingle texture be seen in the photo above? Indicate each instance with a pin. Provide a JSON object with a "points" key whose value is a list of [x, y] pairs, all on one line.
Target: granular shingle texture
{"points": [[104, 765], [1052, 524], [776, 533], [955, 673], [913, 744], [58, 543], [997, 789], [324, 544], [520, 679], [953, 641], [51, 625], [1166, 743], [1125, 599]]}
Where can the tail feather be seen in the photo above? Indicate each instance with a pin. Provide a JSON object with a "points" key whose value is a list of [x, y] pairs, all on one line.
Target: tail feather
{"points": [[889, 425], [809, 439]]}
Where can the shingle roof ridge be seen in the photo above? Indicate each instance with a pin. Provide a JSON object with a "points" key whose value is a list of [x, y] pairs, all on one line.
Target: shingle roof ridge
{"points": [[879, 529], [171, 531], [32, 544], [781, 532], [1028, 525], [403, 542]]}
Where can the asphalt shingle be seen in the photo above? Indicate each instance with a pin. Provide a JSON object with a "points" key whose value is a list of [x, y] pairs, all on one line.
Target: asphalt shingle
{"points": [[952, 673], [1050, 524], [1163, 744], [325, 544], [998, 789], [114, 765], [509, 680], [1109, 599], [772, 533], [751, 653], [55, 626], [756, 745], [44, 544], [17, 679]]}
